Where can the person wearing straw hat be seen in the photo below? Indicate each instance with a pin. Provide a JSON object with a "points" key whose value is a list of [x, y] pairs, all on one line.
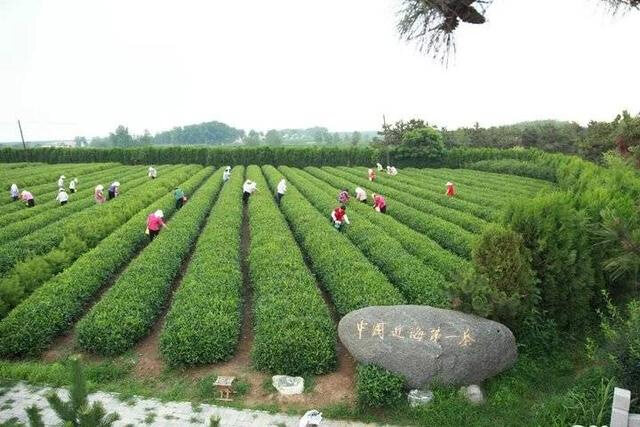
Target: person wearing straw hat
{"points": [[61, 181], [155, 221], [27, 197], [451, 190], [339, 217], [180, 197], [379, 203], [62, 197], [343, 196], [73, 185], [153, 173], [226, 175], [282, 188], [361, 195], [98, 194], [113, 190], [14, 192]]}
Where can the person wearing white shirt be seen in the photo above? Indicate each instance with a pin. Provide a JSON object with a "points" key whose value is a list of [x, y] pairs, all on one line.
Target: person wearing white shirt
{"points": [[392, 171], [73, 185], [153, 173], [379, 167], [282, 188], [226, 175], [247, 189], [61, 181], [62, 197], [14, 192], [361, 195]]}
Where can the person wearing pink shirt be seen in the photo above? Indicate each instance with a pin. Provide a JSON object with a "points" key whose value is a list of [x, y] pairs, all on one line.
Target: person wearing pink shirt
{"points": [[379, 203], [27, 197], [154, 223]]}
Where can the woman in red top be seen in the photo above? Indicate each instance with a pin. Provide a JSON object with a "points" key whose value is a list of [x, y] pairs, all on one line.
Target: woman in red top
{"points": [[451, 191], [155, 222], [339, 217], [379, 203]]}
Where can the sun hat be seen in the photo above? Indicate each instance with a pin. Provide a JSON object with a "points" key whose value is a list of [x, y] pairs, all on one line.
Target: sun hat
{"points": [[159, 213], [449, 183]]}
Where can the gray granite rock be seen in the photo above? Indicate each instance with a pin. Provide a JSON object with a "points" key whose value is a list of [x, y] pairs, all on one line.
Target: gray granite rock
{"points": [[427, 344]]}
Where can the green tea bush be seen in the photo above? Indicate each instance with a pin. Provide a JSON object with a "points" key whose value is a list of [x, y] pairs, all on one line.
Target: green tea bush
{"points": [[418, 283], [378, 388], [348, 276], [128, 310], [502, 285], [429, 252], [203, 324], [446, 234], [293, 330], [53, 307], [427, 202], [515, 167], [558, 237], [73, 238]]}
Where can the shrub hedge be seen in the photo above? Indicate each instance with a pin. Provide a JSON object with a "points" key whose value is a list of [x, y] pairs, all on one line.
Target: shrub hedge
{"points": [[431, 254], [378, 388], [472, 216], [445, 233], [515, 167], [52, 308], [349, 277], [40, 219], [418, 283], [128, 310], [79, 236], [39, 241], [293, 330], [46, 196], [203, 324]]}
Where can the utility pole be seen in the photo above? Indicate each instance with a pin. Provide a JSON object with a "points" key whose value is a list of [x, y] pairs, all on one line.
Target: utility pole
{"points": [[21, 135], [386, 147]]}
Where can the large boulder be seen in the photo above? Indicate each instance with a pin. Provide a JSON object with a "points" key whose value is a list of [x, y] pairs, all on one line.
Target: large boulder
{"points": [[427, 344]]}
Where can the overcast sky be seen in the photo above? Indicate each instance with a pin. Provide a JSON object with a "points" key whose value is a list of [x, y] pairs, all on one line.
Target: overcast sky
{"points": [[78, 67]]}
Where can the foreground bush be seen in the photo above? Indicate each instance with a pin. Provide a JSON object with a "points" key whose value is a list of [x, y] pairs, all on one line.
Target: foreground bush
{"points": [[558, 237], [52, 309], [128, 310], [293, 331], [502, 285], [378, 388], [203, 324]]}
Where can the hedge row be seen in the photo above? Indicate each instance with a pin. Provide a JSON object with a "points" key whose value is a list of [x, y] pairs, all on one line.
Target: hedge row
{"points": [[515, 167], [516, 184], [293, 330], [446, 234], [52, 308], [128, 310], [418, 283], [469, 211], [42, 218], [428, 251], [77, 238], [466, 189], [39, 241], [46, 197], [349, 277], [465, 220], [292, 156], [28, 178], [203, 324]]}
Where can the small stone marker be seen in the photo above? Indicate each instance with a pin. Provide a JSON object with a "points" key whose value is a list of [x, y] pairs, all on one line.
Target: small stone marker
{"points": [[225, 387], [427, 344], [288, 385], [473, 393], [634, 420], [419, 397]]}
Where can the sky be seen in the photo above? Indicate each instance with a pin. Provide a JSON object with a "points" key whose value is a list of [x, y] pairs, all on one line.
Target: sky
{"points": [[78, 67]]}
